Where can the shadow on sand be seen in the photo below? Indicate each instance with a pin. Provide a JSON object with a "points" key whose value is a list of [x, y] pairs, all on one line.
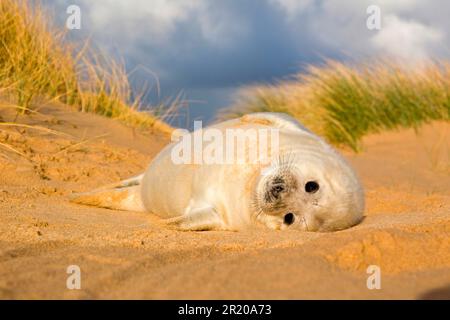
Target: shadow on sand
{"points": [[442, 293]]}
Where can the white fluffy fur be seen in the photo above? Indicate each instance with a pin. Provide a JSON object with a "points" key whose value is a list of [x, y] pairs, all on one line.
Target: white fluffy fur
{"points": [[231, 197]]}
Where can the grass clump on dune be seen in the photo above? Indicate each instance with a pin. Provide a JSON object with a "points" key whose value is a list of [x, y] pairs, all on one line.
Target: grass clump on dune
{"points": [[36, 61], [344, 103]]}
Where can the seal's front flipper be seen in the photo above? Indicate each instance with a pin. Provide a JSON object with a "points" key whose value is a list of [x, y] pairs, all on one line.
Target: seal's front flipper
{"points": [[125, 195], [199, 219]]}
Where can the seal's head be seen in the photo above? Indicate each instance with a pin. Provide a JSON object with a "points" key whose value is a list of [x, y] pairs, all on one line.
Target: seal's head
{"points": [[309, 193]]}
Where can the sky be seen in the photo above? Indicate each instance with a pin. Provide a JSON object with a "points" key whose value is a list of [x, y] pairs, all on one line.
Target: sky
{"points": [[207, 49]]}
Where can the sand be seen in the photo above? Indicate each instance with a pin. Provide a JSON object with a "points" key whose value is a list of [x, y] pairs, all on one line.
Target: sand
{"points": [[131, 255]]}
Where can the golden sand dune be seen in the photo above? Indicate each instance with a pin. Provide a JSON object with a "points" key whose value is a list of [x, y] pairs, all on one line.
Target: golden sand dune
{"points": [[406, 231]]}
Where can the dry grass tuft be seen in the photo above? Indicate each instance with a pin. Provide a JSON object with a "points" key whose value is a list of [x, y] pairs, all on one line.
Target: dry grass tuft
{"points": [[343, 103], [36, 61]]}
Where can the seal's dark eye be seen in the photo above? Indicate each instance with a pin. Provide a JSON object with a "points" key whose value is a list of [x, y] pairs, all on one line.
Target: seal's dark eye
{"points": [[289, 218], [311, 187]]}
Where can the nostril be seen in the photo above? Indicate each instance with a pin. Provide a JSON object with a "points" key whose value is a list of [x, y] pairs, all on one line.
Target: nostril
{"points": [[289, 218]]}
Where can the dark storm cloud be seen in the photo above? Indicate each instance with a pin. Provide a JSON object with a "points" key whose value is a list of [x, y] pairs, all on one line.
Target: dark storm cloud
{"points": [[207, 48]]}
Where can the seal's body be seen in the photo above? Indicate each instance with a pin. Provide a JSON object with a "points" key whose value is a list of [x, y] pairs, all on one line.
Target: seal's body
{"points": [[304, 185]]}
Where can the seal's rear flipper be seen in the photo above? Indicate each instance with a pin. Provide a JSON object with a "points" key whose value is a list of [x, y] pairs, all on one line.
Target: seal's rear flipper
{"points": [[126, 195]]}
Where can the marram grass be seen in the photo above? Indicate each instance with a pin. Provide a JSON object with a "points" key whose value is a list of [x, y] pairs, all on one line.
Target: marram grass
{"points": [[344, 103], [36, 61]]}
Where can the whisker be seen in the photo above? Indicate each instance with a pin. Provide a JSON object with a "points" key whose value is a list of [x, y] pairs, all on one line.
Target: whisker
{"points": [[306, 224]]}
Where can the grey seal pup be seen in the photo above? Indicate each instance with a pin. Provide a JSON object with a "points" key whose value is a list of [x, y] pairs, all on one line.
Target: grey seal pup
{"points": [[304, 184]]}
